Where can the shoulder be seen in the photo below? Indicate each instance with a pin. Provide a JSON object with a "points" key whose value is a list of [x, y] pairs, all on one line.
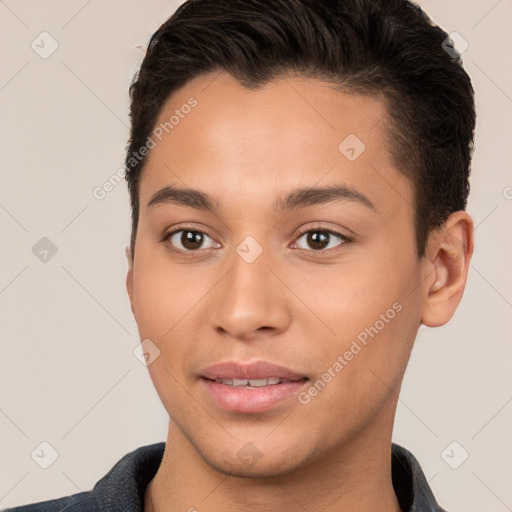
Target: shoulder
{"points": [[80, 502], [121, 489]]}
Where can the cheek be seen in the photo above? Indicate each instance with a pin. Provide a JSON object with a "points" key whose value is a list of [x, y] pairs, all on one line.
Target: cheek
{"points": [[373, 318], [161, 293], [163, 305], [351, 297], [166, 298]]}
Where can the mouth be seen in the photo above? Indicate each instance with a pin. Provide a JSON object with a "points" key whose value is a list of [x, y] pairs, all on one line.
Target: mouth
{"points": [[255, 383], [251, 388]]}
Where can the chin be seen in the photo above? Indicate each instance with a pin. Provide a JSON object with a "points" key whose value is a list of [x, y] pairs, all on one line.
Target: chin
{"points": [[276, 466], [245, 459]]}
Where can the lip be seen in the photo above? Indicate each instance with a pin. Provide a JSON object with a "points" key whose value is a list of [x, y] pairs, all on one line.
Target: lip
{"points": [[255, 370], [251, 400]]}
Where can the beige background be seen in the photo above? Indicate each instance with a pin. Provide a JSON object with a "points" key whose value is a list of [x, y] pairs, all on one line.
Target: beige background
{"points": [[68, 373]]}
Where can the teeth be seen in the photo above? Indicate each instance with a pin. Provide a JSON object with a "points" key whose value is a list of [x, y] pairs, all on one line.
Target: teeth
{"points": [[229, 382], [257, 383], [253, 383]]}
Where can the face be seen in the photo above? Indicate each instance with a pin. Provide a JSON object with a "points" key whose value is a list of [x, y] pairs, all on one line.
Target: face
{"points": [[297, 250]]}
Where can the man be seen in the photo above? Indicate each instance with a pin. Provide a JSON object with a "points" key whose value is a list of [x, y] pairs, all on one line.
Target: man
{"points": [[298, 172]]}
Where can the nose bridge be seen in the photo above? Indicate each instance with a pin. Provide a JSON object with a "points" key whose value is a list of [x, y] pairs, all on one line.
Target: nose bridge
{"points": [[249, 271], [249, 296]]}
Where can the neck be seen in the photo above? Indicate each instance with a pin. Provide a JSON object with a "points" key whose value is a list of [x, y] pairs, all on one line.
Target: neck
{"points": [[355, 477]]}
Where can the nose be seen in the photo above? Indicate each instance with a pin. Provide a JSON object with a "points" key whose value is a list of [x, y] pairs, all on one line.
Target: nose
{"points": [[250, 301]]}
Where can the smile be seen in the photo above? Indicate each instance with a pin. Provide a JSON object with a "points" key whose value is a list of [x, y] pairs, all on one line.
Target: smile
{"points": [[253, 383]]}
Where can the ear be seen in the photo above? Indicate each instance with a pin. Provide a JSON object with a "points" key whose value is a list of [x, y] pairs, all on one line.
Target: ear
{"points": [[129, 277], [446, 266]]}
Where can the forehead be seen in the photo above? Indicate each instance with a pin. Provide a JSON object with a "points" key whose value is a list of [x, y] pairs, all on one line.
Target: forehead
{"points": [[291, 132]]}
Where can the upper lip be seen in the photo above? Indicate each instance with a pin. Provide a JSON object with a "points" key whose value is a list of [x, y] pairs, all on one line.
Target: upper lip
{"points": [[255, 370]]}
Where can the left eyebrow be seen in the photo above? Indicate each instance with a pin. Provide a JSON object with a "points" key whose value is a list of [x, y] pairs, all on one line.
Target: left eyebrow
{"points": [[297, 198], [303, 197]]}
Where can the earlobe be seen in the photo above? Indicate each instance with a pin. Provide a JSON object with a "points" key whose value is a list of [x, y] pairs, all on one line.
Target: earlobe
{"points": [[448, 258], [128, 256]]}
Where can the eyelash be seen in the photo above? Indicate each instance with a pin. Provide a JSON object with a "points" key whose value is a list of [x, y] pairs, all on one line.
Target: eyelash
{"points": [[188, 253]]}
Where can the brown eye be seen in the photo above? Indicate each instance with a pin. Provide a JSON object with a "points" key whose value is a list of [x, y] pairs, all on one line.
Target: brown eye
{"points": [[320, 239], [188, 240], [191, 240]]}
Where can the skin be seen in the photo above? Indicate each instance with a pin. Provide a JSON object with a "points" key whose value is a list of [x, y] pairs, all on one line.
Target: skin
{"points": [[295, 305]]}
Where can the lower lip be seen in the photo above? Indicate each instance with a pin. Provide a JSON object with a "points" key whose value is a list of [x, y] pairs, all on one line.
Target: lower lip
{"points": [[241, 399]]}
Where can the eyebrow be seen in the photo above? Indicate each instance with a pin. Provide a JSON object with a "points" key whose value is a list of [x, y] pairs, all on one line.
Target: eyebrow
{"points": [[297, 198]]}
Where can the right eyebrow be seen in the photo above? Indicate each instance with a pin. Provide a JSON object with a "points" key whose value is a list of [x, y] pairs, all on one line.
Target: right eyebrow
{"points": [[185, 197]]}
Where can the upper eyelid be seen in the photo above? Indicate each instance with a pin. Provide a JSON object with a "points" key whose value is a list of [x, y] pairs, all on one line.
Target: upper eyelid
{"points": [[168, 235], [321, 228]]}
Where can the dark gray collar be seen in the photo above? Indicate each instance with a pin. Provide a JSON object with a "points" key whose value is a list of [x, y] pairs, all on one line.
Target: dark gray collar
{"points": [[411, 486], [122, 489]]}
